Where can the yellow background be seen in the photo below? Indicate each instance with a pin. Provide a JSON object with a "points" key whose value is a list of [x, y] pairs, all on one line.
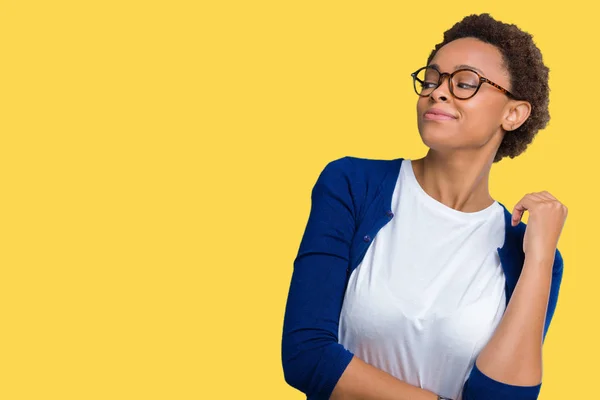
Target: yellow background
{"points": [[156, 164]]}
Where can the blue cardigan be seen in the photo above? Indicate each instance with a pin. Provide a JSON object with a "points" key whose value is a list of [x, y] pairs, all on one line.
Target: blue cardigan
{"points": [[350, 203]]}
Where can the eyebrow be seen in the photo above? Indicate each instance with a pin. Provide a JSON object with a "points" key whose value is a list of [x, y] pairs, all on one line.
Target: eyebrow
{"points": [[461, 66]]}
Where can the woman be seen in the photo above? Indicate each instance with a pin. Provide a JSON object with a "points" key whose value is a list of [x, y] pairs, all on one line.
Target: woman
{"points": [[411, 281]]}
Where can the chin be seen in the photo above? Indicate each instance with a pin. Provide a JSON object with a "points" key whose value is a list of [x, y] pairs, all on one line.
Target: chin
{"points": [[435, 136]]}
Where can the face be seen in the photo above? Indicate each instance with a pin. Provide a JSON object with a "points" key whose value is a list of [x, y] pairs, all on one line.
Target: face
{"points": [[477, 121]]}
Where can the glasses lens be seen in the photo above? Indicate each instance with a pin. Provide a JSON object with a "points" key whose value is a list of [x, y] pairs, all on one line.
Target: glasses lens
{"points": [[426, 81], [464, 84]]}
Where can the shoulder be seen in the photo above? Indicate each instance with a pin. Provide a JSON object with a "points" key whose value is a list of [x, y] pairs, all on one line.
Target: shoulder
{"points": [[359, 171], [356, 183]]}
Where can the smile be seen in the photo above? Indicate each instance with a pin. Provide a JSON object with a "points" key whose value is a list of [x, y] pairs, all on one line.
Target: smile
{"points": [[437, 117]]}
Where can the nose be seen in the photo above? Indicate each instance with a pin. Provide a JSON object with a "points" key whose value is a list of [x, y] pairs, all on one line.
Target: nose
{"points": [[442, 92]]}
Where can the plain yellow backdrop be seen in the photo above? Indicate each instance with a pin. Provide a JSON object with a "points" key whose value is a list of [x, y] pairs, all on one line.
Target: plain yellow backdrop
{"points": [[156, 164]]}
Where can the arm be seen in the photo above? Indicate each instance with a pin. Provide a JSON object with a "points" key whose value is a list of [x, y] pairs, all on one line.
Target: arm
{"points": [[510, 365], [365, 382], [313, 360], [521, 331]]}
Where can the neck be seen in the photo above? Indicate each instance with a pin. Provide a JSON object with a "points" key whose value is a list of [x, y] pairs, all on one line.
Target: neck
{"points": [[459, 181]]}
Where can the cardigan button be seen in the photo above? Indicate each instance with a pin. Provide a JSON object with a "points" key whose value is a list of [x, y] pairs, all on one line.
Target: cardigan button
{"points": [[367, 238], [389, 213]]}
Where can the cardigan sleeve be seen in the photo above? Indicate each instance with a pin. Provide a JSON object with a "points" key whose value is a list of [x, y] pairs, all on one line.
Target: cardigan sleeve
{"points": [[480, 386], [313, 360]]}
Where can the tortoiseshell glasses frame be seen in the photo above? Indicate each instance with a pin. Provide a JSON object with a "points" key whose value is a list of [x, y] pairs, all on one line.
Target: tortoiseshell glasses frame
{"points": [[482, 80]]}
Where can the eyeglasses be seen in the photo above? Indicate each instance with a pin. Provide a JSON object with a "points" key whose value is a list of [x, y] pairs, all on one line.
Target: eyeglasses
{"points": [[464, 83]]}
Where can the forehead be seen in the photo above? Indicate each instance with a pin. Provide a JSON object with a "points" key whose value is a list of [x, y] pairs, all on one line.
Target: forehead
{"points": [[470, 51]]}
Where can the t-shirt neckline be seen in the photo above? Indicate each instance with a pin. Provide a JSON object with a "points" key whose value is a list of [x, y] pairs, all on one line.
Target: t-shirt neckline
{"points": [[441, 206]]}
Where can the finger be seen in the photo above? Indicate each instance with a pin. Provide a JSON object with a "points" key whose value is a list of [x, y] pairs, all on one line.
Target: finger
{"points": [[518, 211], [539, 196], [524, 204], [547, 195]]}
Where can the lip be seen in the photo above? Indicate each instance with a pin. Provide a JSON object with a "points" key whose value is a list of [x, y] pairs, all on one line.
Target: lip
{"points": [[437, 114]]}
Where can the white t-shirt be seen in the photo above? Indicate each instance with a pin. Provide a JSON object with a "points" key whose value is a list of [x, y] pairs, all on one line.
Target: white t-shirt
{"points": [[429, 292]]}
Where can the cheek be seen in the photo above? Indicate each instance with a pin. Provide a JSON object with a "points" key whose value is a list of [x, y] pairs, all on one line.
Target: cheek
{"points": [[483, 117], [422, 106]]}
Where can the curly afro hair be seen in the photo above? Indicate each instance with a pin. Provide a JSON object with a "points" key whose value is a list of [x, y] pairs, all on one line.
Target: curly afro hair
{"points": [[528, 74]]}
